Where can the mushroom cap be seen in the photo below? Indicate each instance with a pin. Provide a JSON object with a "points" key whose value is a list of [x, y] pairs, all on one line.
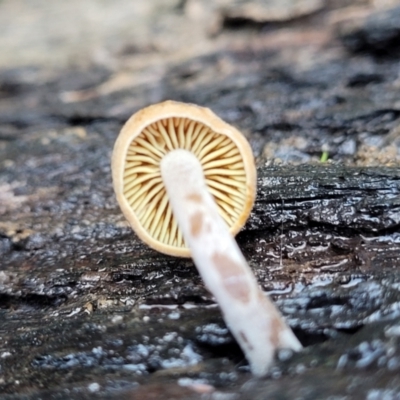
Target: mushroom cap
{"points": [[152, 132]]}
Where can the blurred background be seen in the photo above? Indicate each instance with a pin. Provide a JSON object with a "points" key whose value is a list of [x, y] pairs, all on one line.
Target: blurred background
{"points": [[100, 32], [264, 65]]}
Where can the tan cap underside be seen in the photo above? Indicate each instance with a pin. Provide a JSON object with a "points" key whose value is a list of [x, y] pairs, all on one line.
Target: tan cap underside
{"points": [[170, 109]]}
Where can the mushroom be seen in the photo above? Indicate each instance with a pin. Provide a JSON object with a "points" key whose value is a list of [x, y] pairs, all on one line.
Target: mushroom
{"points": [[186, 182]]}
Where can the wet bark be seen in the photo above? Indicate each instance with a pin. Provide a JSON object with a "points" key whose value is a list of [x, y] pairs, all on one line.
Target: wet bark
{"points": [[87, 310], [322, 240]]}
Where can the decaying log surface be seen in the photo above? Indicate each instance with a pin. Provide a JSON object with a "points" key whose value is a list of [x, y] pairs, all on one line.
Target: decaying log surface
{"points": [[88, 311], [322, 241]]}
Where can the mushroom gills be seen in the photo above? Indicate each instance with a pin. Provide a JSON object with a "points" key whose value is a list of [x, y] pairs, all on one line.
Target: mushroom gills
{"points": [[221, 162]]}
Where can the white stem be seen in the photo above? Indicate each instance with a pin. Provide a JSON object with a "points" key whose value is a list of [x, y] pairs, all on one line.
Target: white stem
{"points": [[251, 317]]}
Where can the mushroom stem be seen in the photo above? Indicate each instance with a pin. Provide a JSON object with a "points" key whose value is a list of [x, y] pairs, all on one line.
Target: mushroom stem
{"points": [[251, 317]]}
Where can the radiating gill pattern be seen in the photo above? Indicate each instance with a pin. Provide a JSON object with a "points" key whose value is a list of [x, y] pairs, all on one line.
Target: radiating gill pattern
{"points": [[143, 187]]}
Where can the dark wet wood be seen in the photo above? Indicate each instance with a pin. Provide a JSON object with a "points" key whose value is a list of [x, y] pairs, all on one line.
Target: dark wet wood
{"points": [[87, 310]]}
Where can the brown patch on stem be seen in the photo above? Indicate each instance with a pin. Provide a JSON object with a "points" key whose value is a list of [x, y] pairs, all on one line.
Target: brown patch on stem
{"points": [[196, 198], [233, 277], [196, 223], [277, 323], [245, 340]]}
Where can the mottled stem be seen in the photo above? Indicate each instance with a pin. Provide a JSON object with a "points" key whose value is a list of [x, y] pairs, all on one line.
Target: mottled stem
{"points": [[251, 317]]}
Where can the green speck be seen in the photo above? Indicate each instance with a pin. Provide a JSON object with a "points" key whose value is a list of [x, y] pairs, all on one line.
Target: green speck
{"points": [[324, 157]]}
